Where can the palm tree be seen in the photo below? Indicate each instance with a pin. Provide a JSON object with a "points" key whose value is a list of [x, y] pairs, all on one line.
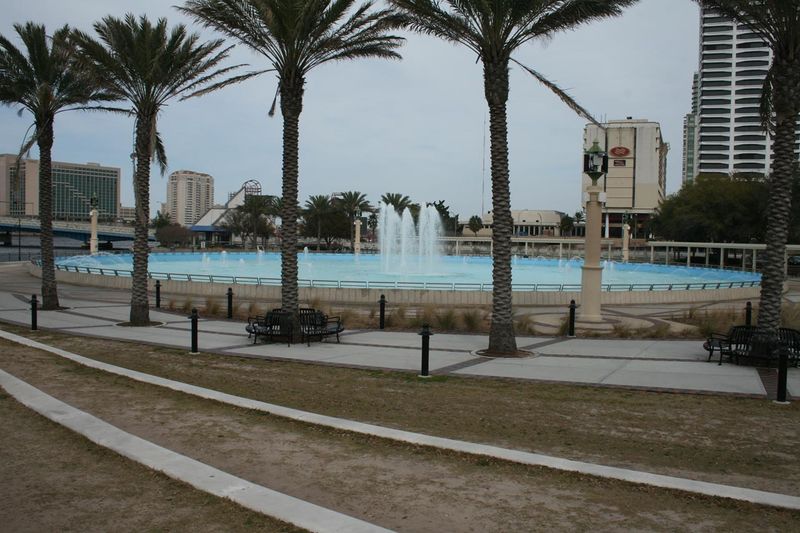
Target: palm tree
{"points": [[400, 202], [148, 65], [317, 207], [295, 36], [778, 23], [351, 203], [45, 80], [256, 209], [494, 30], [237, 223]]}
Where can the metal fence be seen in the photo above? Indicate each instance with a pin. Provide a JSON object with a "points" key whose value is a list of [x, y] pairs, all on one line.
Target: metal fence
{"points": [[409, 285]]}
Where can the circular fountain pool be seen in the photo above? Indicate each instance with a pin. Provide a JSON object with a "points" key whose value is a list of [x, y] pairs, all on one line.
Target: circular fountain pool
{"points": [[446, 273]]}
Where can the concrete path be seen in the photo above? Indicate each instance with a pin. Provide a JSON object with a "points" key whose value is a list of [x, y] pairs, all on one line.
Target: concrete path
{"points": [[676, 365], [138, 448]]}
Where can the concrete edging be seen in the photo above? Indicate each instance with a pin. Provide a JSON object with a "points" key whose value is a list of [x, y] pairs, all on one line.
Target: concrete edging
{"points": [[527, 458], [199, 475]]}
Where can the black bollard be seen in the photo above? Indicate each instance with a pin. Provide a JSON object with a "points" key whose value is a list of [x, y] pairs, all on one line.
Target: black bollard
{"points": [[230, 303], [194, 318], [34, 308], [748, 314], [158, 294], [783, 363], [426, 345], [382, 319], [571, 331]]}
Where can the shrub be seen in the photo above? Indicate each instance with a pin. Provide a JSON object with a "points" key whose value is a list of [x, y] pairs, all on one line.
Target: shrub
{"points": [[213, 307], [446, 320], [472, 320]]}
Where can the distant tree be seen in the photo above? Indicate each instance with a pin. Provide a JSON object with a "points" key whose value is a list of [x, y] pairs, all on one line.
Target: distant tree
{"points": [[256, 209], [316, 209], [400, 202], [475, 224], [567, 225], [351, 203], [173, 235], [236, 222], [578, 217], [161, 219], [449, 222], [719, 208], [372, 223]]}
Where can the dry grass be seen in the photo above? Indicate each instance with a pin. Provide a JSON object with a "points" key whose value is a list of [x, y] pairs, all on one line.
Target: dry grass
{"points": [[523, 325], [726, 439], [213, 307]]}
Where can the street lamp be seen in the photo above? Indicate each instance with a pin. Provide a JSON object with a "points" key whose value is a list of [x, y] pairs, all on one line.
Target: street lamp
{"points": [[595, 164]]}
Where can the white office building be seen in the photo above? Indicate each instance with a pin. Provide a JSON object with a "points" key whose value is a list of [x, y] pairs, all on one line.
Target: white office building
{"points": [[189, 195], [734, 62]]}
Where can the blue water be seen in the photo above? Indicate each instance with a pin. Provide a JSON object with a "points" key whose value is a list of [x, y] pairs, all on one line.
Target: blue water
{"points": [[451, 269]]}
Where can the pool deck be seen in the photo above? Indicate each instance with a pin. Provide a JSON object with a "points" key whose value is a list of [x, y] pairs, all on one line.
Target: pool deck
{"points": [[663, 365]]}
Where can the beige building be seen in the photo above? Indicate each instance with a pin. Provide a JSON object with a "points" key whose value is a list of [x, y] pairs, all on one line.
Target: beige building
{"points": [[74, 186], [189, 195], [527, 223], [636, 181]]}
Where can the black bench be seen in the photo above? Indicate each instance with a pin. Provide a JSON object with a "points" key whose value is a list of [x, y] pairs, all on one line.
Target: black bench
{"points": [[315, 323], [736, 341], [760, 349], [275, 324]]}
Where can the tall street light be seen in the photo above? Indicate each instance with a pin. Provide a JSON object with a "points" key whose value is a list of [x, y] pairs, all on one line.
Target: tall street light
{"points": [[595, 164]]}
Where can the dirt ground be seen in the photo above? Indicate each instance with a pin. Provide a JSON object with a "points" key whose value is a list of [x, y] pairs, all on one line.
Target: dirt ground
{"points": [[54, 480], [400, 487]]}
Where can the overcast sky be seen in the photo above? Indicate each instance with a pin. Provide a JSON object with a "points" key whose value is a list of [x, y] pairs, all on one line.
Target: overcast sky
{"points": [[414, 126]]}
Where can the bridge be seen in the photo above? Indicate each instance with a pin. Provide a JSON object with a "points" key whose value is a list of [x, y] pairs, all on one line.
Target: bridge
{"points": [[80, 231]]}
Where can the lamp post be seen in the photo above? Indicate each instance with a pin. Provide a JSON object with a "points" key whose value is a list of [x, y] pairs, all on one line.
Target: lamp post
{"points": [[93, 237], [595, 164], [626, 228], [357, 235]]}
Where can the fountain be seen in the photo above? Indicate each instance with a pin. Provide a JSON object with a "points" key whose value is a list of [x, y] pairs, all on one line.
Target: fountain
{"points": [[406, 248]]}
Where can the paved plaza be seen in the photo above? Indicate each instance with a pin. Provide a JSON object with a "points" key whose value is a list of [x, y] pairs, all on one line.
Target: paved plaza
{"points": [[675, 365]]}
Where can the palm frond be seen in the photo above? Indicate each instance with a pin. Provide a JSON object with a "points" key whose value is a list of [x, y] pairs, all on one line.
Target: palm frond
{"points": [[230, 81], [562, 94]]}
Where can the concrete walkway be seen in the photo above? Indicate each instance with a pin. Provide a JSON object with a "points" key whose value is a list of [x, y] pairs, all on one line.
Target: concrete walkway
{"points": [[677, 365]]}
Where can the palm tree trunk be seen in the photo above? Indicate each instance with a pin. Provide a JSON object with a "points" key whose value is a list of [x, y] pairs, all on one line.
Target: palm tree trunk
{"points": [[501, 334], [45, 142], [291, 107], [140, 308], [319, 231], [784, 164]]}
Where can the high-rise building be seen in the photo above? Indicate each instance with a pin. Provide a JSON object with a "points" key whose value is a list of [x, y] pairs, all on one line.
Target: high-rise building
{"points": [[74, 186], [636, 182], [734, 62], [189, 195], [690, 134]]}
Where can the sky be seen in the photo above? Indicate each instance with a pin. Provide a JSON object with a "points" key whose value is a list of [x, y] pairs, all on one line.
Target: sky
{"points": [[415, 126]]}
